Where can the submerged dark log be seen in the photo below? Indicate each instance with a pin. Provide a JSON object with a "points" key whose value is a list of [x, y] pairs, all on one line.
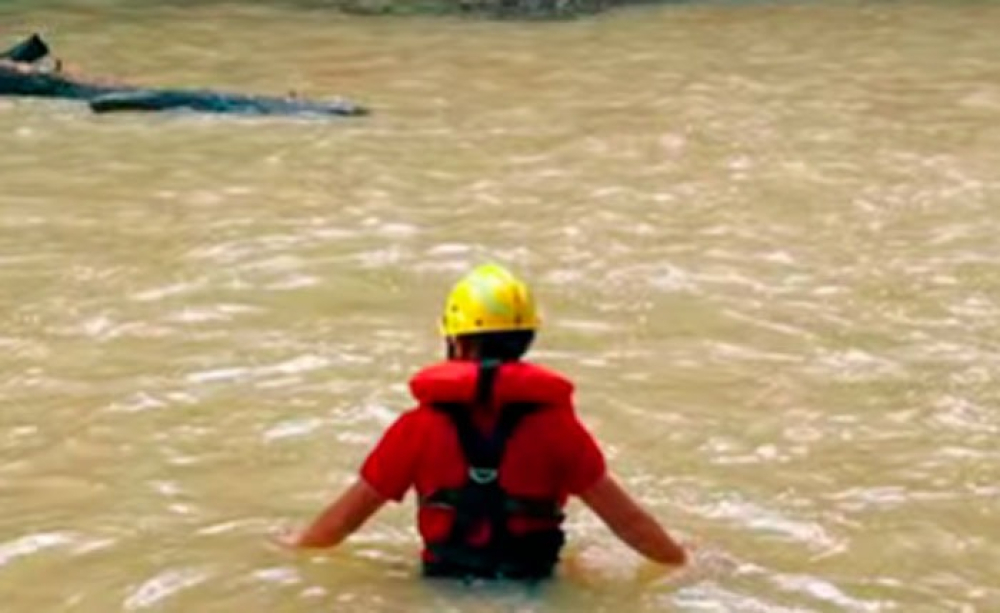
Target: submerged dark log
{"points": [[104, 98], [29, 50], [204, 101], [15, 82]]}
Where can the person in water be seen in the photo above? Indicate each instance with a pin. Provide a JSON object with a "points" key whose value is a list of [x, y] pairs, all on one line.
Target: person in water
{"points": [[493, 449]]}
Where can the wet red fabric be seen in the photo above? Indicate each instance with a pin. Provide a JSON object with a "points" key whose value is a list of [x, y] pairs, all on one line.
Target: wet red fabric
{"points": [[550, 455]]}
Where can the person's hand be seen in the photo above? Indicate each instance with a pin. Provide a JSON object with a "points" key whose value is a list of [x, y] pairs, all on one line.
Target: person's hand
{"points": [[284, 537]]}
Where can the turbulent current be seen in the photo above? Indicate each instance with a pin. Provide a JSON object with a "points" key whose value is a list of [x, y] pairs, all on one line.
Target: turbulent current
{"points": [[764, 237]]}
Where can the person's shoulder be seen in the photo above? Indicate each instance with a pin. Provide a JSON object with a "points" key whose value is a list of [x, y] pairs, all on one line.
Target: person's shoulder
{"points": [[544, 370], [447, 381], [533, 383], [419, 415], [413, 428]]}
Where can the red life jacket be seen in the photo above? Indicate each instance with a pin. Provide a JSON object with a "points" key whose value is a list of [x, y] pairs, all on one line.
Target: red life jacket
{"points": [[485, 403]]}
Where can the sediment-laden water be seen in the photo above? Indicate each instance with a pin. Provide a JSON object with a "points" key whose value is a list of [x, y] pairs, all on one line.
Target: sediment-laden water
{"points": [[764, 237]]}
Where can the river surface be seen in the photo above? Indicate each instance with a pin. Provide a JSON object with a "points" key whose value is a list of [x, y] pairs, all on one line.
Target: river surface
{"points": [[764, 236]]}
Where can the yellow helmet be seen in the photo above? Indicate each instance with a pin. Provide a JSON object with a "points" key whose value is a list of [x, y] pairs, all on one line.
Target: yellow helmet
{"points": [[489, 299]]}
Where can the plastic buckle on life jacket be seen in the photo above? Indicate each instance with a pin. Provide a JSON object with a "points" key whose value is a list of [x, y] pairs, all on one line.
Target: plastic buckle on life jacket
{"points": [[482, 476]]}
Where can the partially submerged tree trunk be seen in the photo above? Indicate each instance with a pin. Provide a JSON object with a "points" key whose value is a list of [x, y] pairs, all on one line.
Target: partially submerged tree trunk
{"points": [[14, 82], [111, 98]]}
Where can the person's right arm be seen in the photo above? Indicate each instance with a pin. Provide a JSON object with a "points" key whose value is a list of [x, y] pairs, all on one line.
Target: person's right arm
{"points": [[631, 523], [386, 475], [340, 519]]}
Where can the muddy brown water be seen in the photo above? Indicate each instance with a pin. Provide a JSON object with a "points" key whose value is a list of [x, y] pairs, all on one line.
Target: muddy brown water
{"points": [[764, 238]]}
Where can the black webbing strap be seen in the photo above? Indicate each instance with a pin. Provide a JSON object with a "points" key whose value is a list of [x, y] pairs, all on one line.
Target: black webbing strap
{"points": [[484, 452], [524, 506], [485, 381], [481, 498]]}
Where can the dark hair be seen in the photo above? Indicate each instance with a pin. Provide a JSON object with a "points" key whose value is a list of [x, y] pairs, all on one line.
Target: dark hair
{"points": [[500, 346]]}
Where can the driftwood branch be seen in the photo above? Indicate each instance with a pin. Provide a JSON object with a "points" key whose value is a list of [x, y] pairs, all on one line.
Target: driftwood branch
{"points": [[103, 98]]}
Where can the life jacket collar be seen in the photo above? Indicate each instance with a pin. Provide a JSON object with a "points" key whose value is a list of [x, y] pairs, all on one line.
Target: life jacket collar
{"points": [[454, 381]]}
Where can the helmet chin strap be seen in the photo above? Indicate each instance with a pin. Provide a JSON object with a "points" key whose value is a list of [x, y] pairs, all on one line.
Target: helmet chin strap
{"points": [[458, 350]]}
